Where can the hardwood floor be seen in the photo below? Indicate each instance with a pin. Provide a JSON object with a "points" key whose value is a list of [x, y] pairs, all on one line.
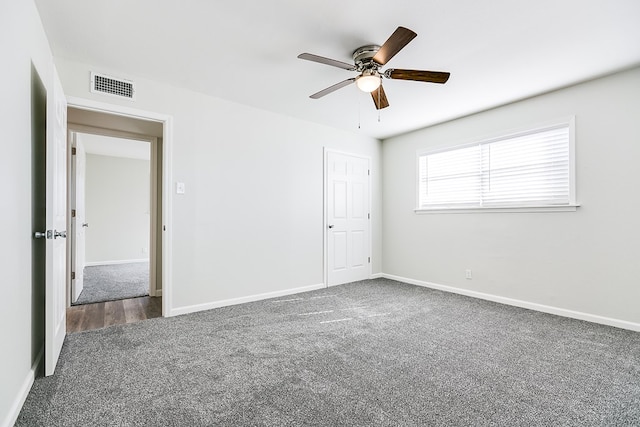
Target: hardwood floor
{"points": [[102, 314]]}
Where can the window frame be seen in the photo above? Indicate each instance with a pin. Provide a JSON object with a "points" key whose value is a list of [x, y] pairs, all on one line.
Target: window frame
{"points": [[568, 122]]}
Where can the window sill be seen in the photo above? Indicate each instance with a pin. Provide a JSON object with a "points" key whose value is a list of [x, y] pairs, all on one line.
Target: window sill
{"points": [[523, 209]]}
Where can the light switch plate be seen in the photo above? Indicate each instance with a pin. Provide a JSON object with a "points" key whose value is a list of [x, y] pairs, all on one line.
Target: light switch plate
{"points": [[179, 187]]}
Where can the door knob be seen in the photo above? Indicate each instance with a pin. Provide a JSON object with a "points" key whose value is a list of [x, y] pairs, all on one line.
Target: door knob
{"points": [[330, 225], [43, 234], [86, 224]]}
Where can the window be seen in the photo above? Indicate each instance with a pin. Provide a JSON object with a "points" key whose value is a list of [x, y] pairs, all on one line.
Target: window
{"points": [[532, 169]]}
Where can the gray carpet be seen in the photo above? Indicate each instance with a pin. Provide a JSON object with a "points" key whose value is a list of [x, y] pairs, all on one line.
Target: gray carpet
{"points": [[114, 282], [372, 353]]}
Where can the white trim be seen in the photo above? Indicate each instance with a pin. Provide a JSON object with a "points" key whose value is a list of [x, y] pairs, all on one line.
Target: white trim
{"points": [[242, 300], [154, 211], [572, 160], [119, 110], [167, 175], [325, 215], [623, 324], [521, 209], [122, 261], [167, 224], [158, 293], [95, 130], [377, 276], [16, 406]]}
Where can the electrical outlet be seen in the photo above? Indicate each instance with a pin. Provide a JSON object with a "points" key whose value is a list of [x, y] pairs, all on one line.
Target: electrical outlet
{"points": [[468, 274]]}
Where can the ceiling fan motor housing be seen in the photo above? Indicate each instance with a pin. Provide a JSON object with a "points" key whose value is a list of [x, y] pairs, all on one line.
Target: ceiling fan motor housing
{"points": [[363, 57]]}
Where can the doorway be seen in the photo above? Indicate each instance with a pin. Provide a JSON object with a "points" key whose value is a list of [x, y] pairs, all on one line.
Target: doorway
{"points": [[115, 210], [111, 215], [348, 218]]}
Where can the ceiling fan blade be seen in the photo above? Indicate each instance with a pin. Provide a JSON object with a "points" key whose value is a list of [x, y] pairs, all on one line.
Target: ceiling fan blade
{"points": [[380, 98], [333, 88], [399, 39], [327, 61], [418, 75]]}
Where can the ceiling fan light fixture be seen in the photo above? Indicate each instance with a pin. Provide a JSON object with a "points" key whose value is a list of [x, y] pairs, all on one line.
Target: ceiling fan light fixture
{"points": [[368, 82]]}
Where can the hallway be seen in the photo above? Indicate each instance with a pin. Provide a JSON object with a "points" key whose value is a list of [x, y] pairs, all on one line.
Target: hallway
{"points": [[99, 315]]}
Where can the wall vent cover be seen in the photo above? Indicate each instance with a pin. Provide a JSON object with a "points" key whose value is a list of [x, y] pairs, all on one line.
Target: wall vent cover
{"points": [[101, 83]]}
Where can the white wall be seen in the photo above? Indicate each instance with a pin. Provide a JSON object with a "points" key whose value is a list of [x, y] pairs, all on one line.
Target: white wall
{"points": [[251, 221], [22, 41], [117, 209], [586, 261]]}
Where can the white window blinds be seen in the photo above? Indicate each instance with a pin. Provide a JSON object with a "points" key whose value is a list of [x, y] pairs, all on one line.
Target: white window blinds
{"points": [[528, 169]]}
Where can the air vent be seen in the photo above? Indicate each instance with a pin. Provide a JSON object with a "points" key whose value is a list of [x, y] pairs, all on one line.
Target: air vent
{"points": [[101, 83]]}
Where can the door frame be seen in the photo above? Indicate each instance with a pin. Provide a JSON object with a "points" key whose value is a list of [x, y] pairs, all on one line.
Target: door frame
{"points": [[72, 191], [73, 131], [167, 149], [325, 212]]}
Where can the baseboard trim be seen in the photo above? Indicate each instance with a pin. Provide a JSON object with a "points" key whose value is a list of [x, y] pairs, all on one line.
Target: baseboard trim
{"points": [[623, 324], [234, 301], [21, 396], [377, 276], [158, 292], [121, 261]]}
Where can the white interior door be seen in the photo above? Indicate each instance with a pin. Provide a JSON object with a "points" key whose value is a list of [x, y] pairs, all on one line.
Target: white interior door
{"points": [[348, 216], [55, 316], [78, 222]]}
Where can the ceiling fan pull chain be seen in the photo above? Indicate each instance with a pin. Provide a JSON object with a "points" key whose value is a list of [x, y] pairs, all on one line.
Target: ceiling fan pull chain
{"points": [[379, 92], [358, 96]]}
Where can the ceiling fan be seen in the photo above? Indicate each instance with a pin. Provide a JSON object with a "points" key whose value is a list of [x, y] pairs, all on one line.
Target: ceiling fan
{"points": [[368, 60]]}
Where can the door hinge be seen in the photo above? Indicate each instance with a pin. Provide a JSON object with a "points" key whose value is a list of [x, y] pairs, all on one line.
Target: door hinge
{"points": [[73, 151], [368, 216], [73, 275], [369, 260], [73, 213], [368, 171]]}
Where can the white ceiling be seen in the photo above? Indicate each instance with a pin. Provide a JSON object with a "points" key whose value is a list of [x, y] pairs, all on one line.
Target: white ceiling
{"points": [[115, 147], [245, 51]]}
